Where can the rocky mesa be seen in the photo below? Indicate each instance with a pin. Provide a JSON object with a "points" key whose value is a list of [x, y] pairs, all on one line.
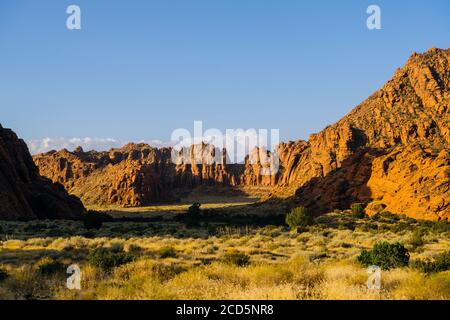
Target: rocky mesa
{"points": [[24, 194], [391, 152]]}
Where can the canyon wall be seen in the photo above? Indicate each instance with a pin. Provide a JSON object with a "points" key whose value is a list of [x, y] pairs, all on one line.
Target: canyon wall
{"points": [[24, 194], [391, 152]]}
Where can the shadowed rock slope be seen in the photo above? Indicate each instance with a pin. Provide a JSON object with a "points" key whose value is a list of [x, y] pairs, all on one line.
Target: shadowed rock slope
{"points": [[24, 194], [391, 152]]}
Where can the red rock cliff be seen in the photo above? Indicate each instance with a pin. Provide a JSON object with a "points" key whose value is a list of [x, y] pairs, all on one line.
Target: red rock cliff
{"points": [[24, 194], [391, 151]]}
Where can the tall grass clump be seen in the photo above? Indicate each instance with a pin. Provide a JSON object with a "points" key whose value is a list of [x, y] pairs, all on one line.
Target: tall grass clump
{"points": [[167, 252], [236, 258]]}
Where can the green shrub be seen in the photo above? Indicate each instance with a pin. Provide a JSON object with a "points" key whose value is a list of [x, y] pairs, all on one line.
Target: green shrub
{"points": [[417, 238], [236, 258], [440, 226], [3, 275], [193, 216], [299, 217], [48, 266], [439, 263], [107, 260], [94, 219], [1, 230], [386, 216], [167, 252], [358, 210], [385, 255]]}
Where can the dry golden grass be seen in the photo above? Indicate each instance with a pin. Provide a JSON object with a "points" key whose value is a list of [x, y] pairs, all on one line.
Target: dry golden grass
{"points": [[318, 264]]}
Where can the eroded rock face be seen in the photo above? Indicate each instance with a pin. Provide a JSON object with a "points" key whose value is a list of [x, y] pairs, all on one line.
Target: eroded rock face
{"points": [[136, 174], [391, 150], [413, 180], [405, 125], [24, 194]]}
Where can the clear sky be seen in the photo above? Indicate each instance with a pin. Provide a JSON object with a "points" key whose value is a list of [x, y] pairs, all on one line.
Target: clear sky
{"points": [[137, 70]]}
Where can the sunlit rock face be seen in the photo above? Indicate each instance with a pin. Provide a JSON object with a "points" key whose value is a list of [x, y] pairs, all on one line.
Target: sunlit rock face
{"points": [[391, 151]]}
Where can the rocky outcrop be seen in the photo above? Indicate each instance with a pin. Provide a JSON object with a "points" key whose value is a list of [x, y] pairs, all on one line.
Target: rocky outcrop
{"points": [[136, 174], [24, 194], [405, 125], [390, 151], [412, 180]]}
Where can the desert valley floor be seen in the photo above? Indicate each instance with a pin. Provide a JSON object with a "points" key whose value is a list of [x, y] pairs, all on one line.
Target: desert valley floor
{"points": [[241, 258]]}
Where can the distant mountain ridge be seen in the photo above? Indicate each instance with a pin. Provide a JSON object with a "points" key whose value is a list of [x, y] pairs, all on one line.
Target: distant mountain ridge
{"points": [[390, 152]]}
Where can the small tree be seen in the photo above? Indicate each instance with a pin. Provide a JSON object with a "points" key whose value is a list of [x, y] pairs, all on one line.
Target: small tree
{"points": [[93, 220], [358, 211], [193, 216], [299, 217], [385, 255]]}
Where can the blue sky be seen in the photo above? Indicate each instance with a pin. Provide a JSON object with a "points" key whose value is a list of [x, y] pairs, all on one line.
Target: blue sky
{"points": [[140, 69]]}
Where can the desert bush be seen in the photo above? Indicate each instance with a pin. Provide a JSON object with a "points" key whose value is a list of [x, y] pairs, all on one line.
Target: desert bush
{"points": [[417, 238], [440, 226], [48, 266], [3, 275], [167, 252], [358, 210], [28, 284], [236, 258], [165, 272], [299, 217], [385, 255], [439, 263], [386, 216], [193, 216], [94, 219], [107, 260]]}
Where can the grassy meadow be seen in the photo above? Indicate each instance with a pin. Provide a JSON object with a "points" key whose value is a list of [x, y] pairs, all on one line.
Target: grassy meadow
{"points": [[163, 258]]}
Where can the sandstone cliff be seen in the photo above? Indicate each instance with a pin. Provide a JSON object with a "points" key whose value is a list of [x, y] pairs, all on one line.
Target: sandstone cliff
{"points": [[134, 175], [402, 133], [391, 151], [24, 194]]}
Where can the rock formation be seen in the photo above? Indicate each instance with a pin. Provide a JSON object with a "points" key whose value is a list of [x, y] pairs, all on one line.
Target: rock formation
{"points": [[136, 174], [391, 152], [24, 194], [403, 132]]}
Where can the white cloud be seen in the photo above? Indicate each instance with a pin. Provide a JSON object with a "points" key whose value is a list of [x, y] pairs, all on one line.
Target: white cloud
{"points": [[88, 143]]}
